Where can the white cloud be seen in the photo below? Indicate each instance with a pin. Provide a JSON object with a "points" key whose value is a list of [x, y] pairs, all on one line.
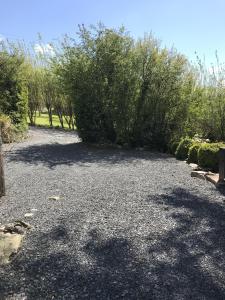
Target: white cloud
{"points": [[44, 49]]}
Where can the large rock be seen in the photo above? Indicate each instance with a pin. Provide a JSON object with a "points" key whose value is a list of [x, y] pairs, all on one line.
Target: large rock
{"points": [[11, 237], [195, 167], [9, 246], [199, 174]]}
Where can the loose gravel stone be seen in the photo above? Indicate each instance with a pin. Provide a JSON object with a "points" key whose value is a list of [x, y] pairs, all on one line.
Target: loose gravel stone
{"points": [[132, 224], [28, 215], [54, 198]]}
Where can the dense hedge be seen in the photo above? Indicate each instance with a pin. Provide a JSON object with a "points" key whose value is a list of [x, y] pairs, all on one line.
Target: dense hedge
{"points": [[203, 153], [208, 155], [193, 153], [183, 148], [123, 91]]}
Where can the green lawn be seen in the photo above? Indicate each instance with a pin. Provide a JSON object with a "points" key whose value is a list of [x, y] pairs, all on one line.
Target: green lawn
{"points": [[43, 120]]}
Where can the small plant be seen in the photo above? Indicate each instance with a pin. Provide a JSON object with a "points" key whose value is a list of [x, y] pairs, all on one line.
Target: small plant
{"points": [[183, 148]]}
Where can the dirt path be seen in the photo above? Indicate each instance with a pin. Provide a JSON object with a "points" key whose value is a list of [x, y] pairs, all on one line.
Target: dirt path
{"points": [[128, 225]]}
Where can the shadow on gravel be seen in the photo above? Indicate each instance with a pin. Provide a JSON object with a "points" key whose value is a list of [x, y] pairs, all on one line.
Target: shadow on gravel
{"points": [[52, 155], [186, 262], [221, 189], [111, 271], [192, 254]]}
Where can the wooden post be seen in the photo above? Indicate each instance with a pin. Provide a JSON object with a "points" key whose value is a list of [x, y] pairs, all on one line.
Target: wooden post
{"points": [[221, 165], [2, 177]]}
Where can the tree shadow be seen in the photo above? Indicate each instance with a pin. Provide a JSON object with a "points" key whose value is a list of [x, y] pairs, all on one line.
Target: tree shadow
{"points": [[52, 155], [221, 189], [185, 262], [193, 252], [114, 271]]}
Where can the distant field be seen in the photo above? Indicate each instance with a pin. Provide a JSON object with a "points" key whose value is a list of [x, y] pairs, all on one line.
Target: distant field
{"points": [[43, 121]]}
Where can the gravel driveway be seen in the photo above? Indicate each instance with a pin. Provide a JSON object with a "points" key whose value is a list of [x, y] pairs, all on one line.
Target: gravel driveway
{"points": [[128, 225]]}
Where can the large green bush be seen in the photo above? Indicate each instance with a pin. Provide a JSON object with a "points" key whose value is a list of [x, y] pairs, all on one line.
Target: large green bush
{"points": [[208, 155], [183, 148], [123, 91], [100, 78], [206, 115]]}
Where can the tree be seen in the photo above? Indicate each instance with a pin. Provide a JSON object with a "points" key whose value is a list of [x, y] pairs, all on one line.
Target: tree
{"points": [[162, 101], [13, 90], [34, 81]]}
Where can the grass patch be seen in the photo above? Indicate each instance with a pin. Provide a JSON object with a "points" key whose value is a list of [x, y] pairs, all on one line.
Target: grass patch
{"points": [[43, 120]]}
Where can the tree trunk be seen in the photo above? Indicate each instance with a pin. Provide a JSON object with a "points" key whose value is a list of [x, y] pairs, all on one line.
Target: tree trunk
{"points": [[31, 118], [2, 177], [49, 108], [60, 116]]}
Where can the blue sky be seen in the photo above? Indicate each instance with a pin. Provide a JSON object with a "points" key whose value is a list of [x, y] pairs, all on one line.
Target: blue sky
{"points": [[189, 25]]}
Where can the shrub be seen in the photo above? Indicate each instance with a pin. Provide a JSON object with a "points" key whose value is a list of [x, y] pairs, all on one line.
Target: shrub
{"points": [[124, 92], [8, 130], [193, 153], [208, 156], [172, 147], [183, 148], [13, 91]]}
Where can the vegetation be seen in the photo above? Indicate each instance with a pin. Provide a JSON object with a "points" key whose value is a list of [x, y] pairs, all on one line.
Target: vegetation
{"points": [[208, 156], [121, 90], [183, 148], [172, 147], [13, 90], [198, 151], [8, 131], [193, 152], [42, 119]]}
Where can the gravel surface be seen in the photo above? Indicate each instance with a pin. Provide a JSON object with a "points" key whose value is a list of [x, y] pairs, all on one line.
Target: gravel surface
{"points": [[128, 225]]}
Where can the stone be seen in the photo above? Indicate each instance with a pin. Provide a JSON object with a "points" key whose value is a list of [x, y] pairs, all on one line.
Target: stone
{"points": [[28, 215], [194, 167], [199, 174], [54, 198], [23, 224], [19, 229], [9, 228], [11, 237], [213, 178], [209, 176], [9, 246]]}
